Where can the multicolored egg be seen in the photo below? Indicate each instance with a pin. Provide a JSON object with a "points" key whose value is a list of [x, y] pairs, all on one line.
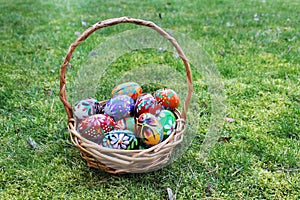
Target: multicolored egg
{"points": [[127, 123], [168, 98], [131, 89], [149, 130], [168, 121], [120, 139], [146, 103], [85, 108], [94, 127], [119, 107]]}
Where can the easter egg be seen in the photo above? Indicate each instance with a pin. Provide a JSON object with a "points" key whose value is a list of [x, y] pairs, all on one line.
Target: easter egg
{"points": [[168, 121], [94, 127], [131, 89], [149, 129], [119, 107], [146, 103], [120, 139], [127, 123], [85, 108], [168, 98]]}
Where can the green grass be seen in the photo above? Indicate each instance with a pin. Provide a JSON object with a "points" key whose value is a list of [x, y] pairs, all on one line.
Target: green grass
{"points": [[254, 44]]}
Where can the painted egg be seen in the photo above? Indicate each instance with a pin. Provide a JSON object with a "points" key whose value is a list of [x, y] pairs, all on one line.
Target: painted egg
{"points": [[168, 98], [127, 123], [131, 89], [85, 108], [120, 139], [146, 103], [168, 121], [119, 107], [149, 129], [94, 127]]}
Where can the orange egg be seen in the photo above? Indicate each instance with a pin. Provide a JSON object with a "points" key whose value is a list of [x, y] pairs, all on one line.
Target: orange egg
{"points": [[167, 98]]}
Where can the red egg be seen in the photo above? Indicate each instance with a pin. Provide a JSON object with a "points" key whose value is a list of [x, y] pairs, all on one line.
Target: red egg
{"points": [[167, 98], [146, 103], [94, 127]]}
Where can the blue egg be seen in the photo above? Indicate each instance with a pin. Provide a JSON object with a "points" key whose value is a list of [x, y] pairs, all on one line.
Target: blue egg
{"points": [[119, 107]]}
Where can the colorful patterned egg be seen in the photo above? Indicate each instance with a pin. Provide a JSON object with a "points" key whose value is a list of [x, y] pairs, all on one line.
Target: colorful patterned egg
{"points": [[120, 139], [168, 98], [149, 129], [146, 103], [168, 121], [127, 123], [119, 107], [131, 89], [86, 108], [94, 127]]}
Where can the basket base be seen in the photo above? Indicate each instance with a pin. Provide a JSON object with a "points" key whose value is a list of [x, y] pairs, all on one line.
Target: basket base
{"points": [[116, 161]]}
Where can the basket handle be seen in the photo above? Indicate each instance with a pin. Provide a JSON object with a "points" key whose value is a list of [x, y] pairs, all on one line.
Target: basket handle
{"points": [[111, 22]]}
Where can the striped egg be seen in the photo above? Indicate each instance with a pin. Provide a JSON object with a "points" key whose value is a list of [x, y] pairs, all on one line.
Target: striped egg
{"points": [[85, 108], [131, 89]]}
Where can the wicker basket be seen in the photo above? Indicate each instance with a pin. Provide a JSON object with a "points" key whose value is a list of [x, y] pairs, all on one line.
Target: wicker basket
{"points": [[125, 161]]}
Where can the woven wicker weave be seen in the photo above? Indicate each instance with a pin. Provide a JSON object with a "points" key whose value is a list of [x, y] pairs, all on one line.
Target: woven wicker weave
{"points": [[125, 161]]}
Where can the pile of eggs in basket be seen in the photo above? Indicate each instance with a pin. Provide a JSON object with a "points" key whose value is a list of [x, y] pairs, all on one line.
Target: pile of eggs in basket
{"points": [[130, 119]]}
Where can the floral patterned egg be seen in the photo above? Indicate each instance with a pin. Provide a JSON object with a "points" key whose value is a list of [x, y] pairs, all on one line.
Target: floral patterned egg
{"points": [[131, 89], [127, 123], [120, 139], [85, 108], [168, 121], [146, 103], [94, 127], [149, 129], [119, 107], [168, 98]]}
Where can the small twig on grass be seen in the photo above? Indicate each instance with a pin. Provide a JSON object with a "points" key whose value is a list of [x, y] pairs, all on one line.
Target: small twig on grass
{"points": [[104, 180], [237, 171], [292, 170], [170, 194], [191, 169], [51, 108], [32, 143], [69, 143], [213, 170], [48, 91], [289, 170], [209, 190]]}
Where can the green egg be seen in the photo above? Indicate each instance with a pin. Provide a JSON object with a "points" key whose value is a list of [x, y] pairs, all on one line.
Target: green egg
{"points": [[168, 121]]}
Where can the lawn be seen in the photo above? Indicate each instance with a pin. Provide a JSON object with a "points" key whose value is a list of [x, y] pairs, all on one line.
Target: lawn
{"points": [[254, 45]]}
